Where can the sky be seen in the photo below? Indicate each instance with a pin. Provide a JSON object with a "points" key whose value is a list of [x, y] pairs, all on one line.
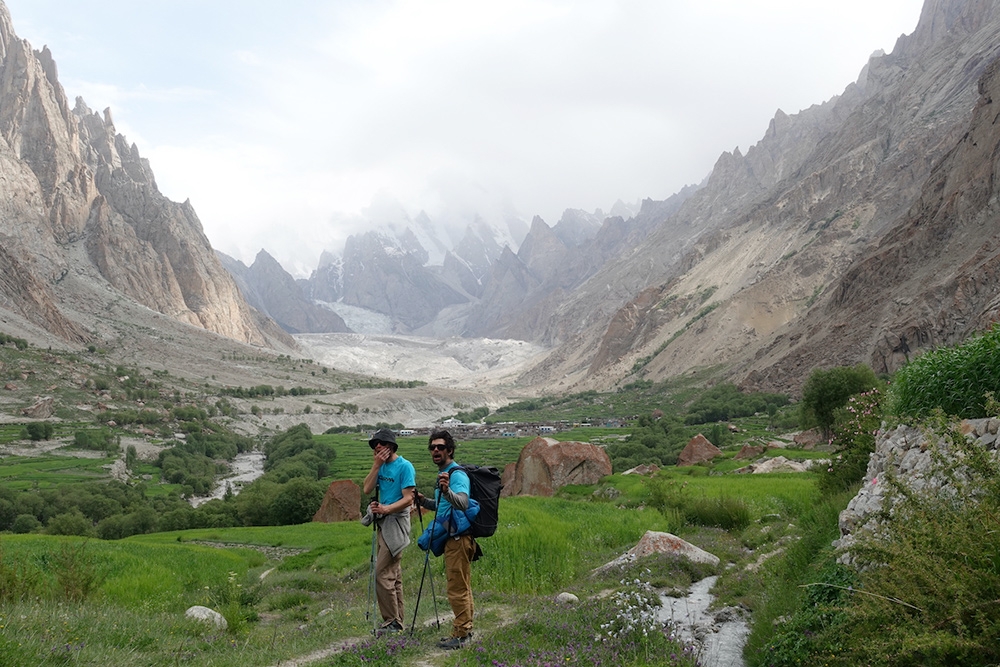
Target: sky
{"points": [[288, 123]]}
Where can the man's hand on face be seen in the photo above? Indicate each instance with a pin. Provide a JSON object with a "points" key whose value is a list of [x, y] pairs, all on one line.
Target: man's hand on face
{"points": [[382, 453]]}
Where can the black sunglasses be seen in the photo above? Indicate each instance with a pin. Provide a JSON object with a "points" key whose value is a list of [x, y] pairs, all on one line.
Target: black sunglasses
{"points": [[434, 448]]}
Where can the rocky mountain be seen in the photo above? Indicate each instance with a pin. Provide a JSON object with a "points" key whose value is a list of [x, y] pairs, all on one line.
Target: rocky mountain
{"points": [[274, 292], [405, 269], [860, 230], [81, 215]]}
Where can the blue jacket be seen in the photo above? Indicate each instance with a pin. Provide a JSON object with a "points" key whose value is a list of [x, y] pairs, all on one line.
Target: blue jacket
{"points": [[447, 523]]}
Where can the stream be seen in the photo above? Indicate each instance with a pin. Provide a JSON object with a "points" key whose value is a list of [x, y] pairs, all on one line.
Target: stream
{"points": [[245, 468], [719, 637]]}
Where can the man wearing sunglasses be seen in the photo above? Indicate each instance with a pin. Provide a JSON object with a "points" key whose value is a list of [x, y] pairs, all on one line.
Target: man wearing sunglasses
{"points": [[452, 494], [396, 481]]}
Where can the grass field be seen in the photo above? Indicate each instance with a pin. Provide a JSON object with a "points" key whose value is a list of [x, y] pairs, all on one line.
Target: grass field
{"points": [[23, 472], [315, 592]]}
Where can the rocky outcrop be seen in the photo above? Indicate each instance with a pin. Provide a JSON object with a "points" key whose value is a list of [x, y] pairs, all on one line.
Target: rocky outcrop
{"points": [[546, 464], [750, 452], [778, 464], [342, 502], [698, 450], [80, 201], [40, 409], [907, 454]]}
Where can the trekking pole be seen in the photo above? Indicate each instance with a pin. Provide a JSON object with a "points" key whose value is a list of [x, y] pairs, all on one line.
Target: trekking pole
{"points": [[372, 593], [427, 562]]}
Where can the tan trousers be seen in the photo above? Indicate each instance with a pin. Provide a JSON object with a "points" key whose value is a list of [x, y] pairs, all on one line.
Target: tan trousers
{"points": [[389, 583], [458, 553]]}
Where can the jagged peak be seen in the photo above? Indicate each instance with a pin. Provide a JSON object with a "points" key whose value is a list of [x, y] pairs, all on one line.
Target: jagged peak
{"points": [[6, 30]]}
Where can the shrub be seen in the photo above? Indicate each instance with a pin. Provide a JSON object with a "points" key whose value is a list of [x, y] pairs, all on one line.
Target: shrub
{"points": [[723, 512], [70, 523], [76, 572], [854, 431], [38, 431], [955, 379], [25, 523]]}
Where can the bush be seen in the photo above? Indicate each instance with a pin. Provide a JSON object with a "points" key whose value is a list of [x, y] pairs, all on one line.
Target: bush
{"points": [[38, 431], [70, 523], [25, 523], [932, 573], [854, 431], [827, 390], [954, 379]]}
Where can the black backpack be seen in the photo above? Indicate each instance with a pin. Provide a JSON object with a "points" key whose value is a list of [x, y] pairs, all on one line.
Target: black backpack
{"points": [[485, 484]]}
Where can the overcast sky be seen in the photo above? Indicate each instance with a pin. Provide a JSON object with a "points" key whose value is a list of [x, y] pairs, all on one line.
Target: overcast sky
{"points": [[281, 120]]}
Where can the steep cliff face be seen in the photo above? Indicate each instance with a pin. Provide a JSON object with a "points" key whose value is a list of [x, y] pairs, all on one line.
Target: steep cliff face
{"points": [[745, 274], [934, 278], [71, 182]]}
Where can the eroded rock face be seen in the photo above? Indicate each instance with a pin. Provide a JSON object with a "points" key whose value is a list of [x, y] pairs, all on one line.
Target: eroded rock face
{"points": [[40, 409], [342, 502], [546, 464], [698, 450], [72, 183]]}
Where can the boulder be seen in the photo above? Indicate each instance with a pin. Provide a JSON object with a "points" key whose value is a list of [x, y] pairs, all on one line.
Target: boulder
{"points": [[546, 464], [654, 542], [698, 449], [750, 451], [342, 502], [207, 615], [808, 439], [776, 464], [42, 408]]}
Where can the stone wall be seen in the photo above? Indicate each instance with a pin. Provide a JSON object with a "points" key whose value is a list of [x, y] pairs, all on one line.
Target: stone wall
{"points": [[905, 452]]}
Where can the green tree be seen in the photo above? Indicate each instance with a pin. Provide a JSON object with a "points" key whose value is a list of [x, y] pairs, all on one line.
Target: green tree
{"points": [[297, 502], [828, 389]]}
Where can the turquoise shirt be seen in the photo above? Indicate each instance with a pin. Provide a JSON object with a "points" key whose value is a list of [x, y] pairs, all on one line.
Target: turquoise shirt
{"points": [[393, 477], [457, 483]]}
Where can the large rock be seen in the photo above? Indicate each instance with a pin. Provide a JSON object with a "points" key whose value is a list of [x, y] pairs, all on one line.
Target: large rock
{"points": [[698, 450], [546, 464], [654, 542], [777, 464], [342, 502], [206, 615], [750, 451]]}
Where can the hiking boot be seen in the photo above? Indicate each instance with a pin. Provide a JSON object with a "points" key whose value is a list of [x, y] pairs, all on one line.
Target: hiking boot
{"points": [[454, 642], [390, 628]]}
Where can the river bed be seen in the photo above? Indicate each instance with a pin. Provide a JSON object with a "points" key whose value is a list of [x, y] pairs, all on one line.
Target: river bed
{"points": [[245, 468], [719, 642]]}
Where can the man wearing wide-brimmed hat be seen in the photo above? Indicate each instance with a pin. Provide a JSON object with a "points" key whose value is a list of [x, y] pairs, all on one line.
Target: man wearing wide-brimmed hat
{"points": [[396, 480]]}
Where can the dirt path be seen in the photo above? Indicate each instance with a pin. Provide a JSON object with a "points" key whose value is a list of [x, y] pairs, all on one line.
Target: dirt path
{"points": [[321, 654]]}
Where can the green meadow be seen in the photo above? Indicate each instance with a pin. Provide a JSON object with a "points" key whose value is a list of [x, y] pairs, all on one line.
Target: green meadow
{"points": [[287, 591]]}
